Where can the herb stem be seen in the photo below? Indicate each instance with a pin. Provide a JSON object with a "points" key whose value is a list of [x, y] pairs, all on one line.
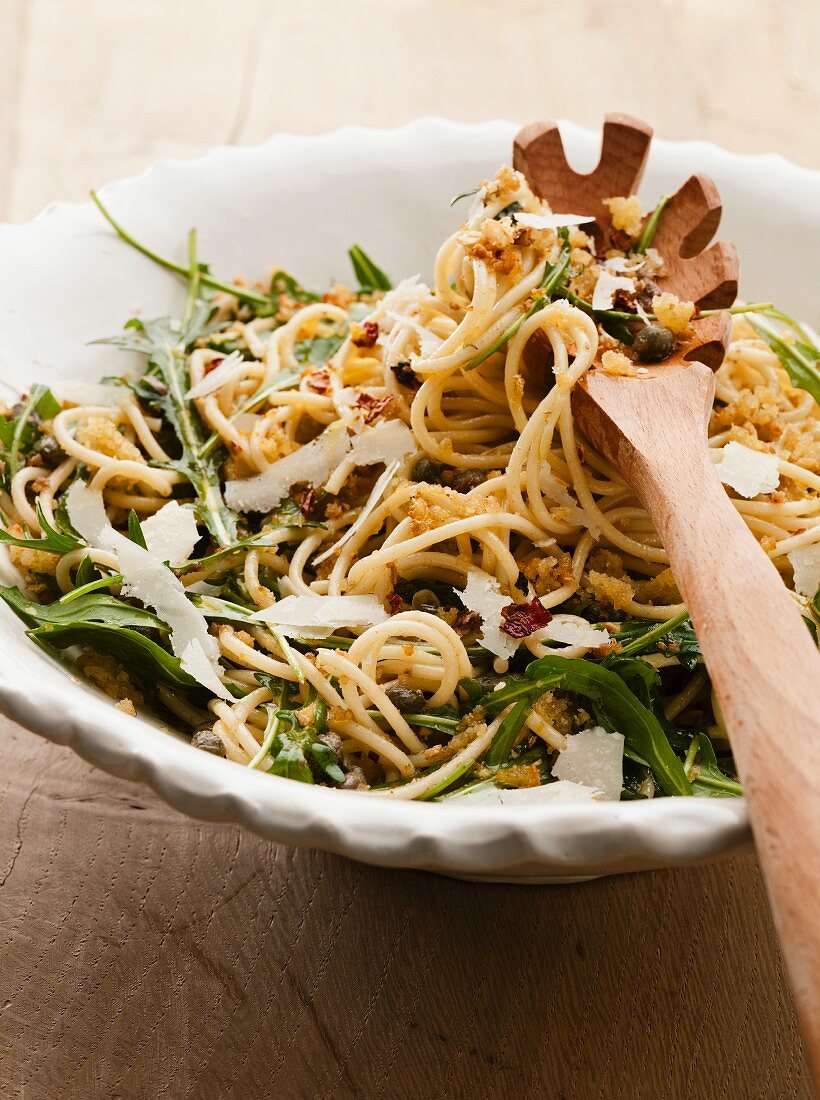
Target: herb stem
{"points": [[653, 635], [650, 229], [243, 293]]}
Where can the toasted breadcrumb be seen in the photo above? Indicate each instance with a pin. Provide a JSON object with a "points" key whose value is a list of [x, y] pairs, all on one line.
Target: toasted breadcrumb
{"points": [[560, 713], [127, 707], [548, 572], [615, 362], [494, 243], [110, 676], [661, 589], [519, 775], [31, 562], [672, 312], [101, 434], [610, 590], [432, 506], [626, 212]]}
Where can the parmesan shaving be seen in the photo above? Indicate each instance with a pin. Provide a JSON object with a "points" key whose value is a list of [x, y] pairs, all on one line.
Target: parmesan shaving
{"points": [[376, 494], [225, 372], [551, 221], [573, 631], [318, 616], [171, 533], [389, 441], [483, 595], [562, 791], [312, 464], [748, 472], [153, 584], [593, 758], [606, 287], [406, 297], [805, 561]]}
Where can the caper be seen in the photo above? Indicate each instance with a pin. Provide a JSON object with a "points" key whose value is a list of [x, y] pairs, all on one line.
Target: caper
{"points": [[427, 470], [406, 700], [50, 451], [425, 600], [653, 343], [464, 481], [204, 738]]}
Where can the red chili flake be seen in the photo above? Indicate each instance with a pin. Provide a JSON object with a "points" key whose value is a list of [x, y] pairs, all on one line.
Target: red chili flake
{"points": [[305, 498], [214, 363], [395, 601], [366, 335], [318, 381], [372, 406], [523, 619]]}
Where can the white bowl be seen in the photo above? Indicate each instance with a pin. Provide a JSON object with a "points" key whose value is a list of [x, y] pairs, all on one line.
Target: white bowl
{"points": [[300, 202]]}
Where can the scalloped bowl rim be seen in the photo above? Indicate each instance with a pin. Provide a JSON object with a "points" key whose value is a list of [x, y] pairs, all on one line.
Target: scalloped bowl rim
{"points": [[557, 841]]}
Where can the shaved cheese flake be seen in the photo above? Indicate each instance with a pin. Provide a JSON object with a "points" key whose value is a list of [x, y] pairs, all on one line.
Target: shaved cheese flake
{"points": [[312, 464], [318, 616], [389, 441], [153, 584], [562, 791], [551, 221], [86, 512], [76, 392], [748, 472], [171, 533], [624, 263], [406, 297], [594, 758], [370, 505], [572, 630], [805, 561], [605, 289], [483, 595], [223, 373]]}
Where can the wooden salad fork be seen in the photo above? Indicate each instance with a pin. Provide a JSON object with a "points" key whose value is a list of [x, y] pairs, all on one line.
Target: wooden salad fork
{"points": [[763, 662]]}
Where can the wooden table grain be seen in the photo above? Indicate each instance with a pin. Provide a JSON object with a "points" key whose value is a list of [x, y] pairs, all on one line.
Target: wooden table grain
{"points": [[148, 955]]}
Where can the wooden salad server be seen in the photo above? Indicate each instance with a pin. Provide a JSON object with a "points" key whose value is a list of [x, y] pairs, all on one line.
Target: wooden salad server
{"points": [[763, 662]]}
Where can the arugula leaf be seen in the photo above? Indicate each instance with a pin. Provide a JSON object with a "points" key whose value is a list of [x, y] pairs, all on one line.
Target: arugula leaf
{"points": [[52, 540], [283, 285], [135, 530], [708, 781], [675, 637], [87, 573], [800, 359], [318, 350], [463, 195], [164, 342], [369, 275], [18, 435], [95, 607], [141, 656], [616, 705], [649, 230]]}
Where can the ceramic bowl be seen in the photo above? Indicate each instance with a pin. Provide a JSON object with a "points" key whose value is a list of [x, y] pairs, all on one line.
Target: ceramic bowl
{"points": [[300, 202]]}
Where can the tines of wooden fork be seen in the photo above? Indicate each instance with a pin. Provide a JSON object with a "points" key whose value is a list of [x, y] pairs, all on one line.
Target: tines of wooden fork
{"points": [[694, 270]]}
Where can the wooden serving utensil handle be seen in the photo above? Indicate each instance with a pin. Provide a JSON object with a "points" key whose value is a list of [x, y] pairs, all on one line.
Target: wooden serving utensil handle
{"points": [[762, 660]]}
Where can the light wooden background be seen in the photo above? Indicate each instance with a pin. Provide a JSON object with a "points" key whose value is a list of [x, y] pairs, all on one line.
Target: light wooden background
{"points": [[146, 955]]}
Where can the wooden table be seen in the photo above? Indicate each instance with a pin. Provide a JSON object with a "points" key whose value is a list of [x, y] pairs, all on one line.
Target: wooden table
{"points": [[147, 955]]}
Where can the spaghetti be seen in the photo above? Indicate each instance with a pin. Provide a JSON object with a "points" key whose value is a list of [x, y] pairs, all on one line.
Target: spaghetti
{"points": [[417, 578]]}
